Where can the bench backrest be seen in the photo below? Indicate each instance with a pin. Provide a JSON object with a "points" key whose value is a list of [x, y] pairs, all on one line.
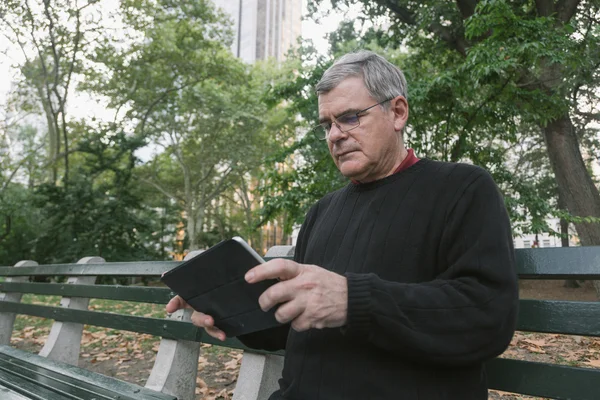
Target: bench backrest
{"points": [[553, 316], [175, 369]]}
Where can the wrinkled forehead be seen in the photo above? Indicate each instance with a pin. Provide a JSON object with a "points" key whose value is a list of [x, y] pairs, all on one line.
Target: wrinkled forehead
{"points": [[349, 94]]}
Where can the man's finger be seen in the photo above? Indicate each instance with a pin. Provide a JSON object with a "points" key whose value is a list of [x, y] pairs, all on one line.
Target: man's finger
{"points": [[175, 304], [289, 311], [279, 293], [301, 324], [216, 333], [278, 268]]}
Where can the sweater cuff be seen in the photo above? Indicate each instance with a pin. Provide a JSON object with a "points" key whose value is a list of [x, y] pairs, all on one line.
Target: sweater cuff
{"points": [[359, 305]]}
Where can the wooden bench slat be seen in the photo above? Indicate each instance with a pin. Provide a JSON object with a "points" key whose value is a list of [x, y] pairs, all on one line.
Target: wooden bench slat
{"points": [[64, 374], [146, 268], [33, 380], [559, 263], [236, 344], [140, 268], [7, 394], [29, 389], [542, 263], [153, 326], [566, 317], [544, 380], [142, 294]]}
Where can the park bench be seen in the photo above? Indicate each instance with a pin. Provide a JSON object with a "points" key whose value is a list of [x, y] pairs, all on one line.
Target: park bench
{"points": [[51, 375]]}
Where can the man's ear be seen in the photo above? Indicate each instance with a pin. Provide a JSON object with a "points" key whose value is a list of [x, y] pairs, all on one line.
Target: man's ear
{"points": [[400, 109]]}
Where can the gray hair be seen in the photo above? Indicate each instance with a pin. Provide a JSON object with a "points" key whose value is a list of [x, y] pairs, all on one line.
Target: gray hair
{"points": [[382, 79]]}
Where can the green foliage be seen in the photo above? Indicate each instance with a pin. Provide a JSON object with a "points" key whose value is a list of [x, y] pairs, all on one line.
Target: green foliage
{"points": [[482, 80]]}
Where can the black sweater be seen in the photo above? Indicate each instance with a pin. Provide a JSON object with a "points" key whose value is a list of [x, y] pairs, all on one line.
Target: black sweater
{"points": [[432, 289]]}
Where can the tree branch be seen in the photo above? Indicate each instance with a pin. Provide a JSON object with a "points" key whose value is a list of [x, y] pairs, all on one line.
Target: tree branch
{"points": [[48, 90], [466, 7], [205, 176], [161, 189], [17, 36], [566, 9], [221, 185], [545, 8], [588, 115], [54, 51], [7, 220], [161, 98], [457, 42], [403, 13], [457, 150]]}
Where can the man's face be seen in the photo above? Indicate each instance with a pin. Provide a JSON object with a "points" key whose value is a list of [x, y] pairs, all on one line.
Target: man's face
{"points": [[374, 149]]}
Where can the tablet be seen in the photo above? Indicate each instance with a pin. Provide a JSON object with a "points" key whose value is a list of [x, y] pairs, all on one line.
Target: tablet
{"points": [[213, 283]]}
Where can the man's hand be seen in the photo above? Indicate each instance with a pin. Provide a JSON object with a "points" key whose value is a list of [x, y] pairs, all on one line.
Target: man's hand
{"points": [[310, 296], [199, 319]]}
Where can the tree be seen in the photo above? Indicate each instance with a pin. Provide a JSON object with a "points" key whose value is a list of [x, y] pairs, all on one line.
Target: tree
{"points": [[182, 91], [486, 76], [53, 37]]}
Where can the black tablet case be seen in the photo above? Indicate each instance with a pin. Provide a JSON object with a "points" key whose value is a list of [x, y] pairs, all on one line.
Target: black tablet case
{"points": [[213, 283]]}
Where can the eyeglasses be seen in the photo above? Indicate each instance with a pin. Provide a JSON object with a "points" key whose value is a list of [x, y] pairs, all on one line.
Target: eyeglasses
{"points": [[345, 122]]}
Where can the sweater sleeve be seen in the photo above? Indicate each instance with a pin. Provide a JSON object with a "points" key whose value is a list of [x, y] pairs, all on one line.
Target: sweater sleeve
{"points": [[276, 338], [467, 314]]}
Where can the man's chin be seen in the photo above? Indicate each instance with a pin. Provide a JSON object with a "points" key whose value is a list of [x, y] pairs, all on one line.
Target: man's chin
{"points": [[351, 172]]}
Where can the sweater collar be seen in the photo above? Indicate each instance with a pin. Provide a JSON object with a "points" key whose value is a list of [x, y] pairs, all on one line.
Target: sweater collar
{"points": [[410, 160]]}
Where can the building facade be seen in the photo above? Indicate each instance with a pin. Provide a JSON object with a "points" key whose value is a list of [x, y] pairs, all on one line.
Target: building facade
{"points": [[263, 28]]}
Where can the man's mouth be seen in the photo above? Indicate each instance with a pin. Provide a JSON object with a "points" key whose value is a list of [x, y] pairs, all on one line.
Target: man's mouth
{"points": [[343, 153]]}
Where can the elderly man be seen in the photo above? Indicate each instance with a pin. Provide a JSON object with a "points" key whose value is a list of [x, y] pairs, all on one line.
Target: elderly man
{"points": [[403, 282]]}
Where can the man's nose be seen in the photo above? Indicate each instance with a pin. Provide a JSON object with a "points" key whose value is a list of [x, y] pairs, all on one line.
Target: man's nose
{"points": [[335, 133]]}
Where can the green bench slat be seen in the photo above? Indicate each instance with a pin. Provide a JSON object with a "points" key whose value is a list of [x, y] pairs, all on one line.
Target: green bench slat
{"points": [[36, 381], [542, 263], [139, 268], [236, 344], [56, 377], [146, 268], [566, 317], [559, 263], [171, 329], [7, 394], [544, 380], [154, 326], [30, 389], [142, 294]]}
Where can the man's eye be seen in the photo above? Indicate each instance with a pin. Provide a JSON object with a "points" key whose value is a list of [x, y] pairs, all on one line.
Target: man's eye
{"points": [[350, 119], [326, 126]]}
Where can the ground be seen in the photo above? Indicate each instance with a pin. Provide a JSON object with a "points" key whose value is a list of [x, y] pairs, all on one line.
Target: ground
{"points": [[130, 356]]}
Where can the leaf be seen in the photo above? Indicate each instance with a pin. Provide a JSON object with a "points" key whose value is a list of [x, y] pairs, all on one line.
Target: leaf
{"points": [[593, 363], [539, 343]]}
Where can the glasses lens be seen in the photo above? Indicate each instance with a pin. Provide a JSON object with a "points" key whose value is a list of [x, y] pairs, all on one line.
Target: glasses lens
{"points": [[348, 122], [320, 132]]}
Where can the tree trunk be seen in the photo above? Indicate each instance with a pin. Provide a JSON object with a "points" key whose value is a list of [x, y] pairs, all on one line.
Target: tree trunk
{"points": [[194, 226], [53, 136], [564, 239], [191, 228], [574, 182]]}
